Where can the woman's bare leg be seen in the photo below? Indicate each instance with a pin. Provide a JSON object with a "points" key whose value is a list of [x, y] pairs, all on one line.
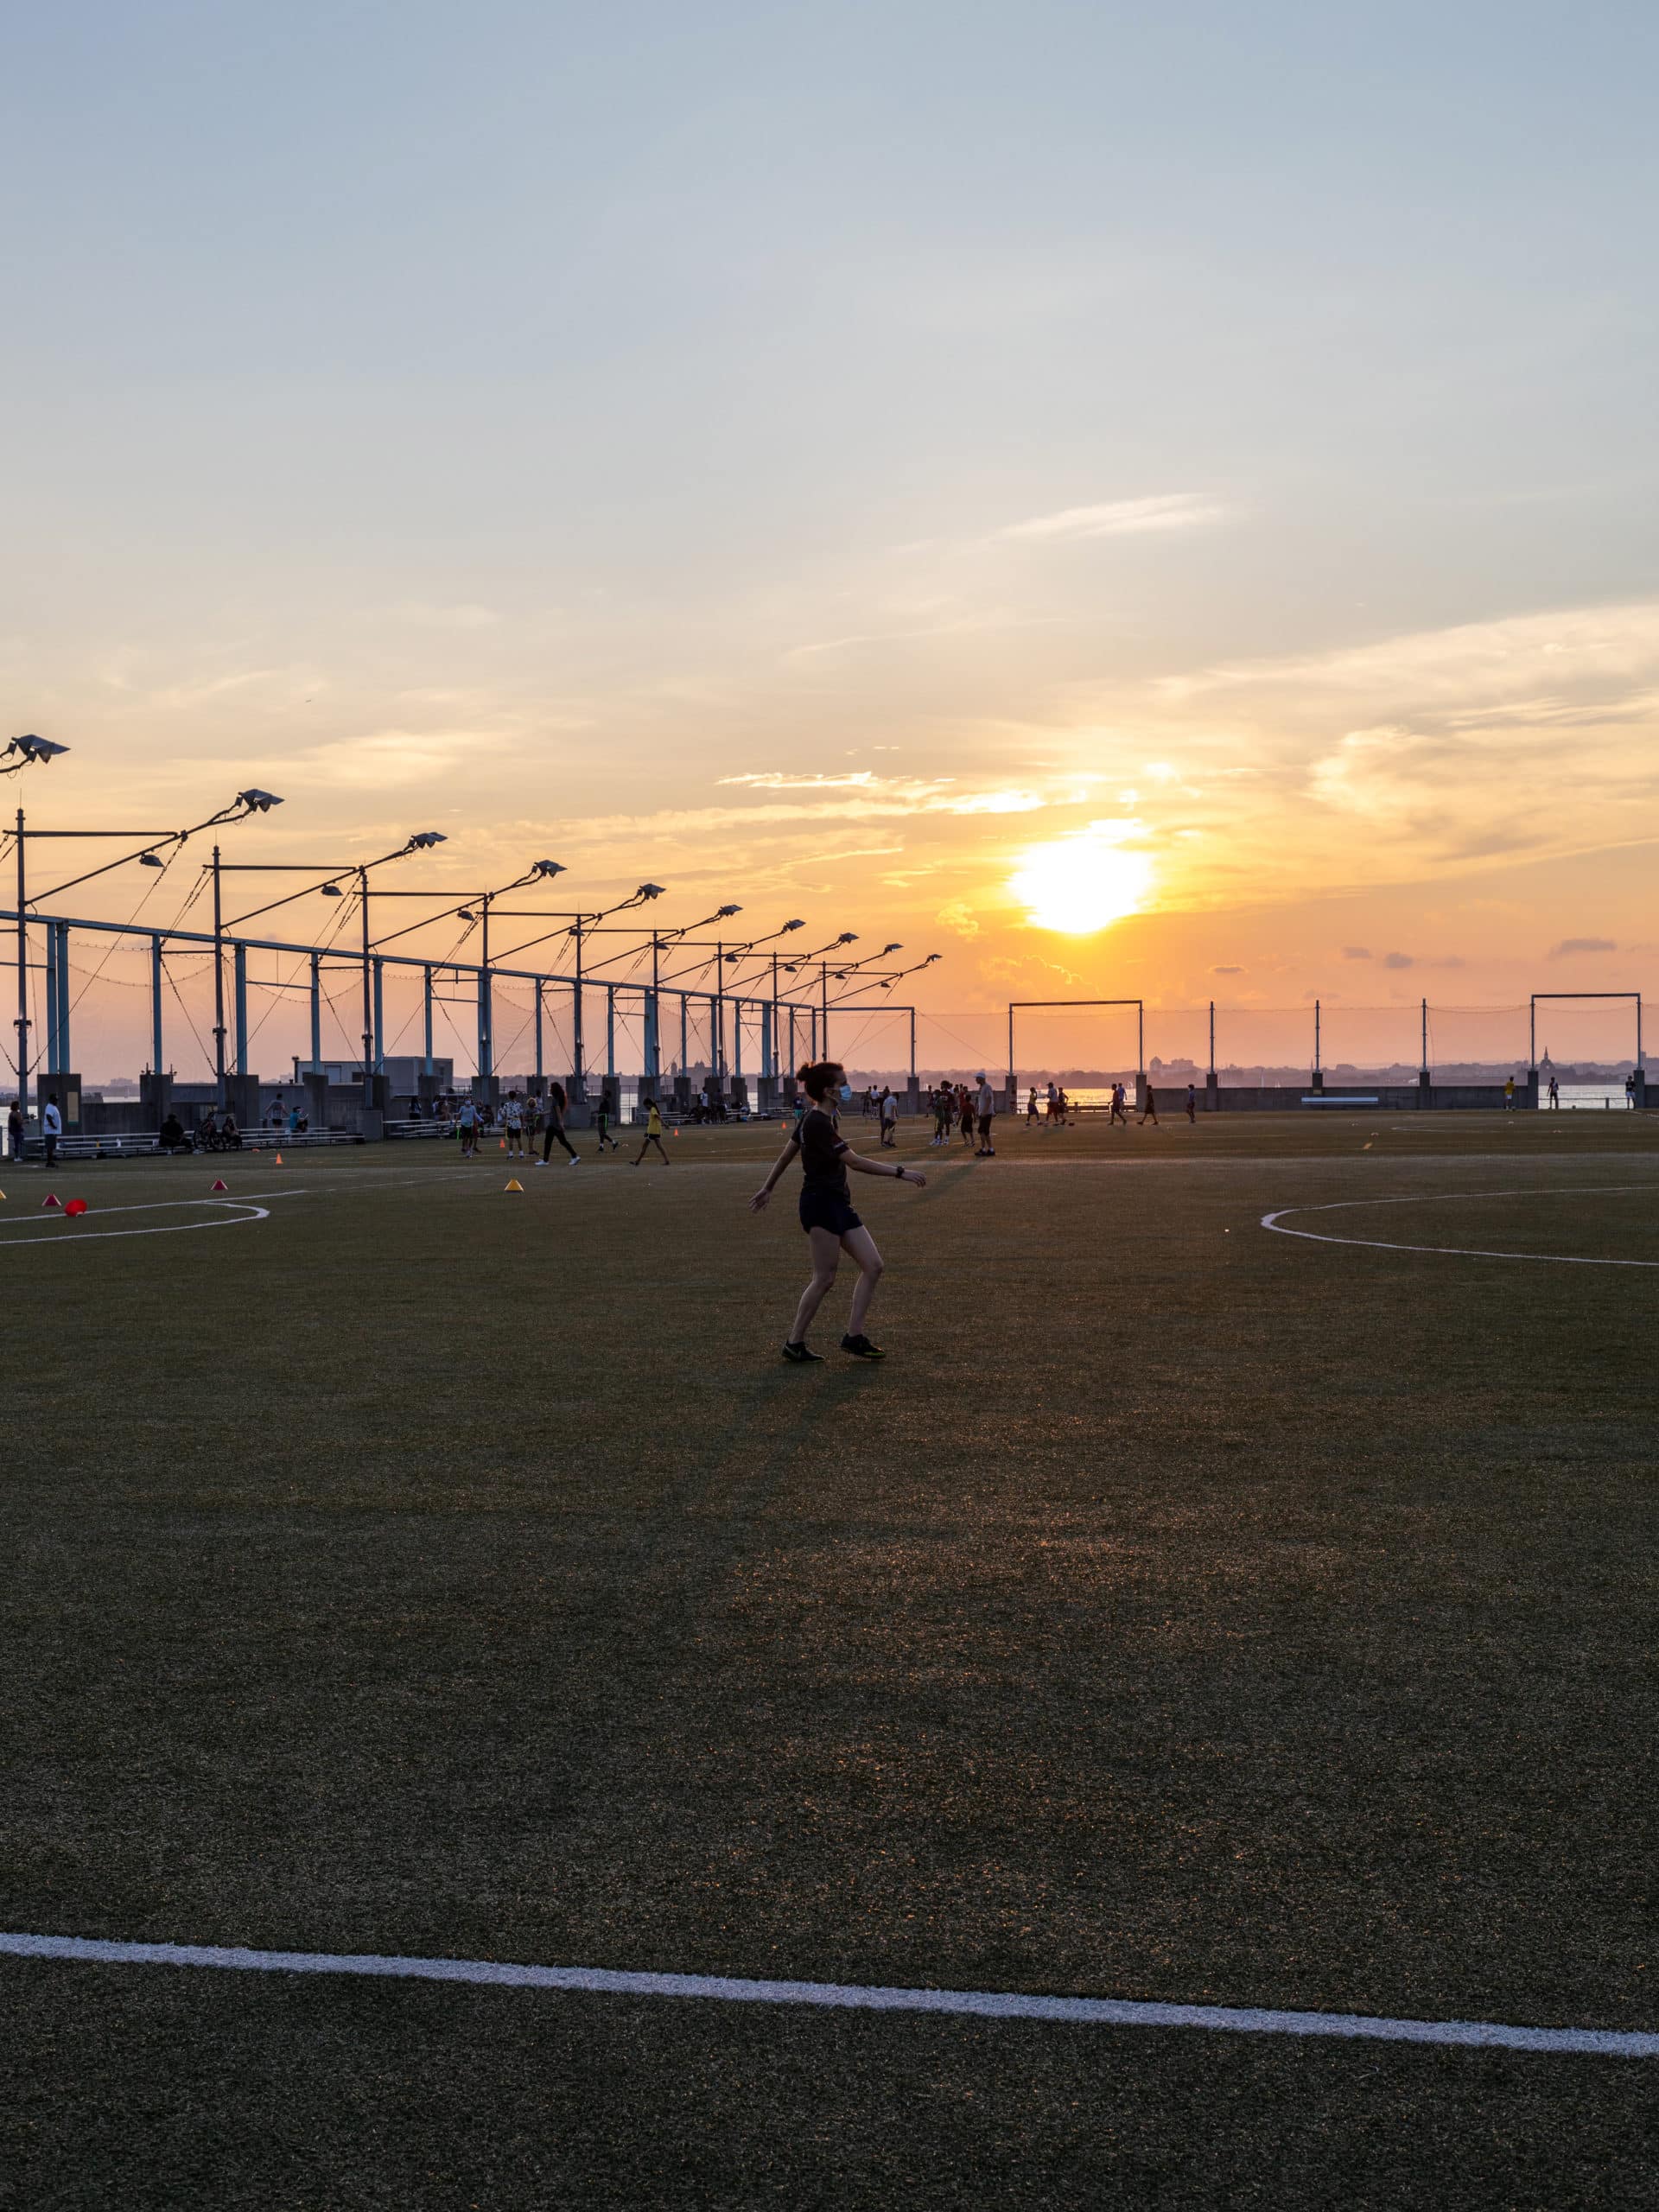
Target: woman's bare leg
{"points": [[861, 1245], [826, 1255]]}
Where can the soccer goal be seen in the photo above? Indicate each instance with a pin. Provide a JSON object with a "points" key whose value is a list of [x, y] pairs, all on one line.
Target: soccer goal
{"points": [[1078, 1040], [1590, 1045]]}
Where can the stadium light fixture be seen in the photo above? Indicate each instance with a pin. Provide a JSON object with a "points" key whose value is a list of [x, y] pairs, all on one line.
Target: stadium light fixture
{"points": [[32, 751]]}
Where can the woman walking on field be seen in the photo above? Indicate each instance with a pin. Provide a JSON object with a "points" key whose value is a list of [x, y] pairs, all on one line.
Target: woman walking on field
{"points": [[827, 1214]]}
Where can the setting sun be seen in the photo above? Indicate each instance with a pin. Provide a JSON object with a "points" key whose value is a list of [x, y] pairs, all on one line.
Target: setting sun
{"points": [[1080, 884]]}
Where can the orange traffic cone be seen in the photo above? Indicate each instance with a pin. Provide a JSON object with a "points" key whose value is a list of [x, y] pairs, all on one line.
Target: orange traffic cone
{"points": [[50, 1200], [504, 1144], [220, 1185], [279, 1160]]}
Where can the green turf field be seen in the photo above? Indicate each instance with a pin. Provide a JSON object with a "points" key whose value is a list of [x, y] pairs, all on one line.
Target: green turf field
{"points": [[1185, 1611]]}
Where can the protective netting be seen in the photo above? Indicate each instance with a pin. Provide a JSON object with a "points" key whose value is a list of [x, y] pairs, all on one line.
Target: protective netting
{"points": [[1264, 1045], [873, 1043], [1371, 1043], [1471, 1044], [112, 1024]]}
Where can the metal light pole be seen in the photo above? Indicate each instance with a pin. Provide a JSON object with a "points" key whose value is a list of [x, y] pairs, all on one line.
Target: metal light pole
{"points": [[31, 752], [582, 925], [246, 804], [421, 841], [219, 991], [539, 871], [659, 940]]}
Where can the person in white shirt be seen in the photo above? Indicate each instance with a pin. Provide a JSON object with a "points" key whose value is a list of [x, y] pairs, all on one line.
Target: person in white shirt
{"points": [[888, 1108], [512, 1123], [51, 1128], [984, 1106]]}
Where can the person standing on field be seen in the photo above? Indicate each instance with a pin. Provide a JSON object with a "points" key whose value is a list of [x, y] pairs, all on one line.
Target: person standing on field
{"points": [[554, 1132], [827, 1215], [653, 1133], [887, 1110], [14, 1130], [1149, 1110], [513, 1124], [984, 1108], [51, 1128], [1191, 1105]]}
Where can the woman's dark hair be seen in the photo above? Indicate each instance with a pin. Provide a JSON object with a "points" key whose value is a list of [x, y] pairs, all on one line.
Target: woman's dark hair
{"points": [[555, 1092], [818, 1077]]}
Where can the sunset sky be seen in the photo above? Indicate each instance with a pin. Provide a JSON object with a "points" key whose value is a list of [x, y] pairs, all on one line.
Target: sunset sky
{"points": [[967, 474]]}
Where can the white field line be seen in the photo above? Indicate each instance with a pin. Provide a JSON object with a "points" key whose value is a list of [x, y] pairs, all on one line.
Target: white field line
{"points": [[245, 1210], [1275, 1222], [1092, 2011]]}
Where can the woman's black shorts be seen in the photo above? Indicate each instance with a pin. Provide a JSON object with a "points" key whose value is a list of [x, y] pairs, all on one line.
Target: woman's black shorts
{"points": [[828, 1210]]}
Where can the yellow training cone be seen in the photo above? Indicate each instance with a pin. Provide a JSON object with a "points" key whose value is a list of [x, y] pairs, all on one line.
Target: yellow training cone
{"points": [[515, 1185]]}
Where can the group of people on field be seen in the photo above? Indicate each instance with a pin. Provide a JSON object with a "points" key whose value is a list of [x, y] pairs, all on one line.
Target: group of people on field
{"points": [[969, 1108], [1052, 1109], [882, 1108], [522, 1120]]}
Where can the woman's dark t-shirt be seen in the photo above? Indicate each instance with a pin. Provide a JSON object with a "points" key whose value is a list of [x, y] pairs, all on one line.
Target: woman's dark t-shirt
{"points": [[821, 1147]]}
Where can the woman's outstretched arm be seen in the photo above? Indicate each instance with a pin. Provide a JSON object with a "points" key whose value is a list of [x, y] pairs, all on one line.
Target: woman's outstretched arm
{"points": [[782, 1161], [884, 1167]]}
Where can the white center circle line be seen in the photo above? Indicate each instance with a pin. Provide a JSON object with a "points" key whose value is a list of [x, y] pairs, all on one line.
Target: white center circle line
{"points": [[1275, 1221], [230, 1214]]}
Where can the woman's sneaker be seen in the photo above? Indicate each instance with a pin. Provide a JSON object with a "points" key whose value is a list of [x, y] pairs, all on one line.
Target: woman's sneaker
{"points": [[861, 1348], [798, 1356]]}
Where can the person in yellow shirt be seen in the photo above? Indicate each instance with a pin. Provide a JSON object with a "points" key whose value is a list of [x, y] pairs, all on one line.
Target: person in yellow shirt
{"points": [[653, 1133]]}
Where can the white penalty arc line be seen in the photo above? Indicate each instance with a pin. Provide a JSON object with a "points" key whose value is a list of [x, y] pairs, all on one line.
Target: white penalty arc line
{"points": [[1276, 1222], [1088, 2011], [244, 1210]]}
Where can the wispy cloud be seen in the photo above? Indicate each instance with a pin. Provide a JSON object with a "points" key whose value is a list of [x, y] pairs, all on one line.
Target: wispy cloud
{"points": [[1163, 510], [1570, 945], [877, 794], [468, 615]]}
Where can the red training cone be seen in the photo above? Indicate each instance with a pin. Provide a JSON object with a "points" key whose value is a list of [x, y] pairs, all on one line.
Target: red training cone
{"points": [[50, 1201], [220, 1185]]}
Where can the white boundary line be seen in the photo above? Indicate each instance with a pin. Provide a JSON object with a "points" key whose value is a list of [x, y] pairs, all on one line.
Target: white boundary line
{"points": [[1275, 1222], [248, 1212], [1093, 2012]]}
